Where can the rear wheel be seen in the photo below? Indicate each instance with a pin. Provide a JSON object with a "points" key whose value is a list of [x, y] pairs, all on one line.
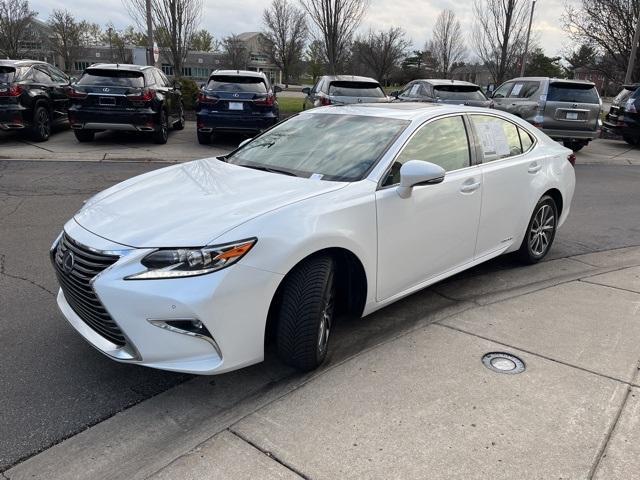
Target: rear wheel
{"points": [[161, 135], [541, 231], [204, 138], [633, 141], [306, 313], [84, 135], [41, 128], [575, 146], [179, 125]]}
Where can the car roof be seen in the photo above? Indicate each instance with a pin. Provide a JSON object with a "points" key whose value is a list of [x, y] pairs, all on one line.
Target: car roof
{"points": [[238, 73], [349, 78], [444, 81], [21, 63], [402, 110], [551, 80], [119, 66]]}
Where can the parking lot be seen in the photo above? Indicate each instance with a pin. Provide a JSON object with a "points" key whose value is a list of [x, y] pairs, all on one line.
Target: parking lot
{"points": [[572, 319]]}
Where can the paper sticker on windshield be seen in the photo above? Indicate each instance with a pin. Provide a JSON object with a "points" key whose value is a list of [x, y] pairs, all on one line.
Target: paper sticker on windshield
{"points": [[414, 90], [316, 176], [516, 89], [494, 140]]}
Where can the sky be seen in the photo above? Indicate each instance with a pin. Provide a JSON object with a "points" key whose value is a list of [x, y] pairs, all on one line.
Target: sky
{"points": [[416, 17]]}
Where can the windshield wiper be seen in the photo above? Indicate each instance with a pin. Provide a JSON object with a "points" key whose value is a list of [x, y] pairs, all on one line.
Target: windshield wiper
{"points": [[268, 169]]}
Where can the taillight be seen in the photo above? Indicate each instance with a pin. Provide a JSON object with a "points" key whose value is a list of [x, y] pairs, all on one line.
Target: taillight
{"points": [[14, 90], [325, 101], [572, 159], [146, 95], [267, 101], [204, 98], [73, 93]]}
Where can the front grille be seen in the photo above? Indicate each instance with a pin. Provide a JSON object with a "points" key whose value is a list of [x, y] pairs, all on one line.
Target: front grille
{"points": [[75, 266]]}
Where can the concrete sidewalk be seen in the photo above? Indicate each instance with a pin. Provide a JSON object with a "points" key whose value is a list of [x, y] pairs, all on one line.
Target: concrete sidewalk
{"points": [[415, 403]]}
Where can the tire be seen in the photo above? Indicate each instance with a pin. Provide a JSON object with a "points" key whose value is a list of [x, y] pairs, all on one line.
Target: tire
{"points": [[204, 138], [306, 314], [537, 242], [575, 146], [161, 135], [633, 141], [179, 125], [84, 135], [41, 129]]}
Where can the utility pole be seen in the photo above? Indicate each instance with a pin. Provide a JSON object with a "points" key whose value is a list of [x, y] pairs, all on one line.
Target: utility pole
{"points": [[526, 45], [634, 51], [150, 59]]}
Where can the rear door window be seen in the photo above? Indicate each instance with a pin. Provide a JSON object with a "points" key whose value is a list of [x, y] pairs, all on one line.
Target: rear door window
{"points": [[230, 83], [498, 138], [355, 89], [459, 92], [525, 139], [57, 75], [116, 78], [40, 76], [523, 89], [573, 93]]}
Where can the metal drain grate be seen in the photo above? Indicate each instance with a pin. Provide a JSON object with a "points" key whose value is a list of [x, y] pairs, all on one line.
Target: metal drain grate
{"points": [[501, 362]]}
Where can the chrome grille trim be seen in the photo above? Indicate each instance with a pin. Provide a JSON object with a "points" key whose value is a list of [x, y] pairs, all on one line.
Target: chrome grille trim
{"points": [[76, 285]]}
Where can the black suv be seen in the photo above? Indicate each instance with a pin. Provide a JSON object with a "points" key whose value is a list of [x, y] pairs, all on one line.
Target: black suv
{"points": [[33, 97], [132, 98], [624, 115]]}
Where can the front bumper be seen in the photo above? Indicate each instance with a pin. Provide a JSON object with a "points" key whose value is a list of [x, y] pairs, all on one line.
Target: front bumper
{"points": [[209, 121], [143, 120], [232, 304]]}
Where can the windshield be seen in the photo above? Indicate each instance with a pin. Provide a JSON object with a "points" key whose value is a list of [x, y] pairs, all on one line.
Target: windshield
{"points": [[572, 92], [451, 92], [328, 146], [116, 78], [222, 83], [356, 89]]}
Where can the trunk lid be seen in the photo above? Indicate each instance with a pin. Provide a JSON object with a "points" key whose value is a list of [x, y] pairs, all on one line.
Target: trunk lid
{"points": [[238, 94], [110, 89], [571, 106], [343, 92]]}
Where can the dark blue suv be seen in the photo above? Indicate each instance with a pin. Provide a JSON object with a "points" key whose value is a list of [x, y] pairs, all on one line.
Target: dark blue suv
{"points": [[236, 101]]}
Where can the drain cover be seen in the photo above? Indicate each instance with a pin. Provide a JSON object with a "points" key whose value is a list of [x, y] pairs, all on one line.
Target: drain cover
{"points": [[503, 363]]}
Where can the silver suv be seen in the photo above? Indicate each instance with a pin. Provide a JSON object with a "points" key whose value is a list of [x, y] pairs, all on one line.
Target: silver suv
{"points": [[343, 90], [566, 110]]}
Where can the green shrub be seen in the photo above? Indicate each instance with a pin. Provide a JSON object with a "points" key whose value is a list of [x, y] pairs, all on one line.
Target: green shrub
{"points": [[189, 90]]}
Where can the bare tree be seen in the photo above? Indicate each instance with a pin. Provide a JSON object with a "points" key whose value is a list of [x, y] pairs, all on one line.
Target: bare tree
{"points": [[15, 18], [447, 44], [381, 51], [235, 52], [285, 30], [499, 34], [608, 27], [336, 21], [68, 36], [174, 23]]}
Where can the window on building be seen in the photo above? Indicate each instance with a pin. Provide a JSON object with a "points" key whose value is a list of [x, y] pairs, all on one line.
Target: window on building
{"points": [[186, 71], [167, 69], [80, 66]]}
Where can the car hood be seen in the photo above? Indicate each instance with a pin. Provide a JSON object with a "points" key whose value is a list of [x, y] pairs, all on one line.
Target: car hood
{"points": [[191, 204]]}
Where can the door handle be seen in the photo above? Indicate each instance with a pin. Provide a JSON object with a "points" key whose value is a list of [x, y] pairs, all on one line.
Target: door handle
{"points": [[469, 187], [535, 167]]}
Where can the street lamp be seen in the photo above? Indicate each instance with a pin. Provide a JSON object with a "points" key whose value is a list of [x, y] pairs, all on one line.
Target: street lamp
{"points": [[526, 45]]}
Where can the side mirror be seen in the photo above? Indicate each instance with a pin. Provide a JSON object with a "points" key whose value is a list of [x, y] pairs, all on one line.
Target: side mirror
{"points": [[202, 85], [277, 89], [244, 142], [395, 94], [417, 172], [306, 90], [72, 80]]}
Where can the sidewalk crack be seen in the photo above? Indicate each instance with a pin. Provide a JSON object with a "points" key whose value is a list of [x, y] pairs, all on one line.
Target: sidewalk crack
{"points": [[269, 454]]}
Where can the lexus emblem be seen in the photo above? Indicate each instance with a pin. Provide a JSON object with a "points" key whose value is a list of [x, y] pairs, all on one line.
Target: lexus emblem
{"points": [[575, 105], [236, 95], [68, 261], [359, 100], [105, 89]]}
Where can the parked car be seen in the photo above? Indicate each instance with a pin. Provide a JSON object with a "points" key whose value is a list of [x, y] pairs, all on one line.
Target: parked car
{"points": [[343, 90], [451, 92], [33, 97], [624, 115], [195, 266], [236, 101], [131, 98], [566, 110]]}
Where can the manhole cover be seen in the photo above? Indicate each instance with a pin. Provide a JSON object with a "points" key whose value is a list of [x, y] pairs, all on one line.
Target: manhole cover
{"points": [[503, 363]]}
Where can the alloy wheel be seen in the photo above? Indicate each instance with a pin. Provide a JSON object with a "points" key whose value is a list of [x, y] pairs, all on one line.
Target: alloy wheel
{"points": [[43, 123], [542, 229], [324, 328]]}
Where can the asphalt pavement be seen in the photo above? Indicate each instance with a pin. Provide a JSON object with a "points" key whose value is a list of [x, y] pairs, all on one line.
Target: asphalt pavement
{"points": [[55, 385]]}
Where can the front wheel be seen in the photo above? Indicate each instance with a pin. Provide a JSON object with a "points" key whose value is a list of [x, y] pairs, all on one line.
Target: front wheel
{"points": [[179, 125], [306, 314], [541, 231]]}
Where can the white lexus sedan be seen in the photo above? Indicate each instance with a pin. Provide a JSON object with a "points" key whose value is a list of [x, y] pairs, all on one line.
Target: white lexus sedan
{"points": [[193, 267]]}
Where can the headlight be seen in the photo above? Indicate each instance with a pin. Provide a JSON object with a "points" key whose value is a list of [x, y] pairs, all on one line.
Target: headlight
{"points": [[189, 262]]}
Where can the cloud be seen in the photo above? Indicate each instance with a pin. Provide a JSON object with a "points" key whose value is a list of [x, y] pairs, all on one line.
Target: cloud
{"points": [[416, 17]]}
